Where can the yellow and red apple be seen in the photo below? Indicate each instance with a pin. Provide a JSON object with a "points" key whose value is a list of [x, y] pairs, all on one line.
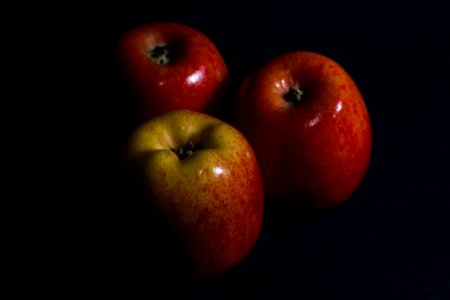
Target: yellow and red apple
{"points": [[201, 176]]}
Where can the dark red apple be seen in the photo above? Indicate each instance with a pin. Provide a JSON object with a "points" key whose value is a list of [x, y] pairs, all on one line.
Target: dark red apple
{"points": [[309, 127], [173, 66]]}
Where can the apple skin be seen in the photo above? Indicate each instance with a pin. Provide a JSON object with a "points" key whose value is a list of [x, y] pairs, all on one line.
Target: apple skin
{"points": [[213, 198], [195, 78], [313, 153]]}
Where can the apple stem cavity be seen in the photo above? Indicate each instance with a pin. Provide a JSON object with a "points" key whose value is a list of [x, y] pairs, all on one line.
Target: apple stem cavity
{"points": [[160, 54], [185, 150], [294, 95]]}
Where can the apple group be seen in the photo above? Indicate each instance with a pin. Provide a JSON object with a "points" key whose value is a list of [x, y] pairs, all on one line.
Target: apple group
{"points": [[302, 138]]}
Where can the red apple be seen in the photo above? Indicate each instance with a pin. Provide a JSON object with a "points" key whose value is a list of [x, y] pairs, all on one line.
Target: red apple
{"points": [[309, 127], [202, 178], [172, 66]]}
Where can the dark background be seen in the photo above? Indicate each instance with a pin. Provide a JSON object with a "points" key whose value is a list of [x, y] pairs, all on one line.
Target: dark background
{"points": [[390, 240]]}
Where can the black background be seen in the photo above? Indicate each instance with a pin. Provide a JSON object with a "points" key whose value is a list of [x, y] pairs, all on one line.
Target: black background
{"points": [[389, 241]]}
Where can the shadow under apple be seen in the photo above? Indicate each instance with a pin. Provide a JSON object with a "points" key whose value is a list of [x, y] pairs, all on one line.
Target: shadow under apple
{"points": [[285, 213], [151, 255]]}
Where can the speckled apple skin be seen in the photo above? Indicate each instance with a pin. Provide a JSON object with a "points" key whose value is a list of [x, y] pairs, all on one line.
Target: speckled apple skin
{"points": [[314, 153], [213, 199], [196, 78]]}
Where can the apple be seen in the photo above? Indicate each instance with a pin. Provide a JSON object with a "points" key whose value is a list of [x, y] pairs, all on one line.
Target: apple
{"points": [[309, 127], [172, 66], [202, 178]]}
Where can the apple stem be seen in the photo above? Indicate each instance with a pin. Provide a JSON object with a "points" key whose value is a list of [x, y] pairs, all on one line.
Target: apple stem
{"points": [[185, 150], [294, 95], [160, 54]]}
